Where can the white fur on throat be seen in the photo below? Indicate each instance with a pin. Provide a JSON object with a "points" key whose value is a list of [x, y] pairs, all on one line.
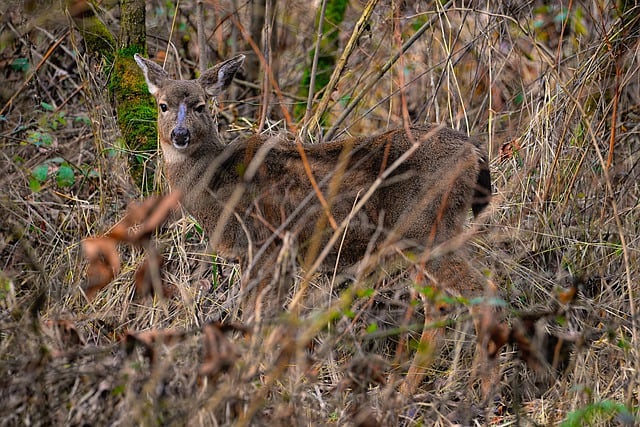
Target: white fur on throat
{"points": [[172, 155]]}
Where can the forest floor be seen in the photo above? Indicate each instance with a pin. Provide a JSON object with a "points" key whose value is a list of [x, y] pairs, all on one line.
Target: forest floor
{"points": [[560, 241]]}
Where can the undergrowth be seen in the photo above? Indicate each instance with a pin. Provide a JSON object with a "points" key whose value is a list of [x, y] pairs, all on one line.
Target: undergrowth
{"points": [[553, 88]]}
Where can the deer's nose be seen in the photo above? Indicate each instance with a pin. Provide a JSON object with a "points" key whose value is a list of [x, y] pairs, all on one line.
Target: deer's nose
{"points": [[180, 137]]}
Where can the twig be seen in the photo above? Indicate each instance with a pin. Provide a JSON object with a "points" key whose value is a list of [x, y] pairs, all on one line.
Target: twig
{"points": [[266, 46], [268, 71], [44, 59], [382, 72], [202, 40], [337, 72], [314, 69]]}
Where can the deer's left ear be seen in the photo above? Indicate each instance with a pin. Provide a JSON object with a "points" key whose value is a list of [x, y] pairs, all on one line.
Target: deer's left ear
{"points": [[219, 77]]}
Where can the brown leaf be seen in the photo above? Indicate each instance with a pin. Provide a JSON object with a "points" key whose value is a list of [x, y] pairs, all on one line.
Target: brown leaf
{"points": [[145, 274], [65, 332], [364, 372], [150, 339], [568, 295], [143, 218], [508, 149], [104, 263], [218, 352], [498, 334], [159, 212]]}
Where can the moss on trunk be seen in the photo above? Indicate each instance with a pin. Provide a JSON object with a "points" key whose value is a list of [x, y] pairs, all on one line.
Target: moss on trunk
{"points": [[136, 111], [135, 107]]}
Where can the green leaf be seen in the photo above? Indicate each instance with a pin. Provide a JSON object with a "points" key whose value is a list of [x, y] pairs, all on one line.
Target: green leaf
{"points": [[40, 172], [20, 64], [65, 176], [39, 139], [34, 185], [365, 293], [519, 98], [372, 328], [46, 106], [349, 313], [118, 390], [93, 174], [82, 120], [589, 414]]}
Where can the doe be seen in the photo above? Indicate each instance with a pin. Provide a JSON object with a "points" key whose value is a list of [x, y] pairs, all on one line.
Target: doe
{"points": [[407, 190]]}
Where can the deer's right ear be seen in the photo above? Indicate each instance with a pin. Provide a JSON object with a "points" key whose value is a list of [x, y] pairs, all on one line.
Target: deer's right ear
{"points": [[153, 73], [219, 77]]}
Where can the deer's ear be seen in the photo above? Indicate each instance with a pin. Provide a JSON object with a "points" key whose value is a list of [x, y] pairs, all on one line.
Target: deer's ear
{"points": [[219, 77], [153, 73]]}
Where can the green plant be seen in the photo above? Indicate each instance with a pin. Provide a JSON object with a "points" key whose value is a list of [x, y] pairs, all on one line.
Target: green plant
{"points": [[595, 413], [57, 167]]}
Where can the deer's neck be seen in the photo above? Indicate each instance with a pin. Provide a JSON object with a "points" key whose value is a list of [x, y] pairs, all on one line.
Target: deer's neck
{"points": [[185, 170]]}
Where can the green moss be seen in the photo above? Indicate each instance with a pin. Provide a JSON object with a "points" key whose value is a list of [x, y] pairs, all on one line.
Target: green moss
{"points": [[97, 37], [136, 110]]}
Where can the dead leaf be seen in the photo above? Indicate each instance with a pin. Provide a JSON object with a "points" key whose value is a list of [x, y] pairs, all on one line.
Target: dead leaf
{"points": [[508, 149], [144, 275], [364, 372], [567, 295], [150, 339], [140, 221], [143, 218], [158, 213], [65, 332], [104, 263], [219, 354]]}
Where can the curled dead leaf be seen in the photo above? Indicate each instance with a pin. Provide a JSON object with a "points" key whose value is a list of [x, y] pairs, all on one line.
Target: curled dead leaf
{"points": [[143, 218], [508, 149], [364, 372], [567, 295], [140, 221], [148, 340], [147, 277], [104, 263], [64, 331], [219, 353]]}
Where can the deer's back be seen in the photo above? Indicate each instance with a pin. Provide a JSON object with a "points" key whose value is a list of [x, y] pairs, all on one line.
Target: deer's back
{"points": [[423, 200]]}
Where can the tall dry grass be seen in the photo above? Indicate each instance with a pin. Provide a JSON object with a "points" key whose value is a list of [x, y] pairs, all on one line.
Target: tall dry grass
{"points": [[553, 89]]}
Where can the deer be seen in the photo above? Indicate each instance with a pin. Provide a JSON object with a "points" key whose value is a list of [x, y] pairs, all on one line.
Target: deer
{"points": [[407, 190]]}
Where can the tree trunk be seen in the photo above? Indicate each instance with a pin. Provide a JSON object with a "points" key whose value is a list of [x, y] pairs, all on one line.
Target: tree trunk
{"points": [[132, 24]]}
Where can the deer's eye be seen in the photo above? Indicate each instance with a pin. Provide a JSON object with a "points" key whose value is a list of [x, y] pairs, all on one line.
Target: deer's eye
{"points": [[199, 108], [163, 107]]}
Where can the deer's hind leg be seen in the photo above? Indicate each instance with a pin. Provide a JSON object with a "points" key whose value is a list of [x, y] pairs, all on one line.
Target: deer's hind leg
{"points": [[453, 274]]}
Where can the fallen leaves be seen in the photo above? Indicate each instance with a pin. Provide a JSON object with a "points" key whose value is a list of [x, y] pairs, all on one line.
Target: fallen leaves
{"points": [[543, 351], [64, 332], [136, 228], [104, 263], [509, 150], [219, 353]]}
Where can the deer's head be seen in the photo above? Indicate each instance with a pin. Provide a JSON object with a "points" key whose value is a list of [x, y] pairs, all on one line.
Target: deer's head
{"points": [[184, 121]]}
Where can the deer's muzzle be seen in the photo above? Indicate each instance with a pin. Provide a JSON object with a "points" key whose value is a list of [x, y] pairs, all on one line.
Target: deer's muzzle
{"points": [[180, 137], [180, 134]]}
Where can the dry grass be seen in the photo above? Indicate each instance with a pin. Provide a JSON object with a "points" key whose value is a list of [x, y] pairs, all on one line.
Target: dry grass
{"points": [[539, 85]]}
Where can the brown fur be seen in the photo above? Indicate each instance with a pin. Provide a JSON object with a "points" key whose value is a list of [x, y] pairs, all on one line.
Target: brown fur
{"points": [[446, 165]]}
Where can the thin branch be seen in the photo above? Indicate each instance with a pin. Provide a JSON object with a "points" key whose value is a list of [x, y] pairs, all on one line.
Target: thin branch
{"points": [[383, 71], [202, 39], [314, 68], [268, 71], [359, 28]]}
